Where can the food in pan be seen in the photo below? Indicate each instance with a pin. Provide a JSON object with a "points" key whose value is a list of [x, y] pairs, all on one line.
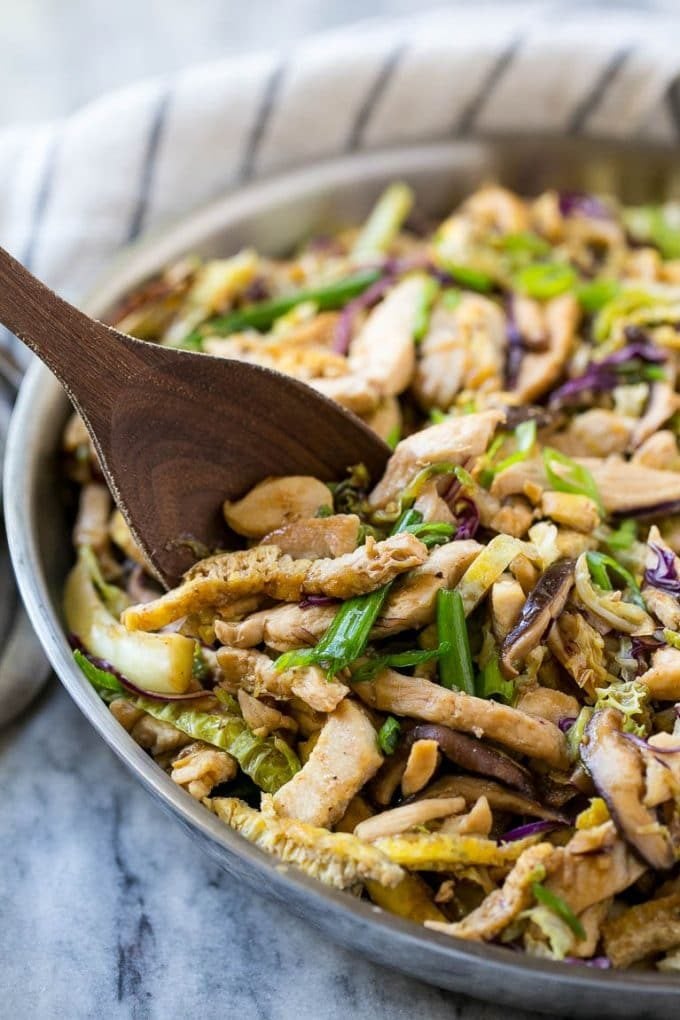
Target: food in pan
{"points": [[452, 689]]}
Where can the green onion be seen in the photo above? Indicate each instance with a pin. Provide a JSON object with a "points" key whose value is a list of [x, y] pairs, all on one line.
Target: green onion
{"points": [[432, 533], [596, 294], [262, 315], [466, 276], [455, 665], [558, 906], [324, 511], [451, 298], [384, 222], [651, 223], [524, 242], [599, 565], [424, 310], [624, 536], [399, 660], [492, 684], [388, 735], [103, 681], [672, 638], [653, 373], [437, 416], [393, 437], [347, 636], [545, 280], [576, 479], [525, 439]]}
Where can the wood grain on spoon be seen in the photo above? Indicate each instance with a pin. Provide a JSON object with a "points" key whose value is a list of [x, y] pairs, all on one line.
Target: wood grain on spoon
{"points": [[178, 432]]}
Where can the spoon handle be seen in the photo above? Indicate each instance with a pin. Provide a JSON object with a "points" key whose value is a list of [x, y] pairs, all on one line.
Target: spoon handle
{"points": [[85, 355]]}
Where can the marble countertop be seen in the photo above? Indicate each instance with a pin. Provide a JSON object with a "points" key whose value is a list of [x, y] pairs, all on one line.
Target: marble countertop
{"points": [[110, 910]]}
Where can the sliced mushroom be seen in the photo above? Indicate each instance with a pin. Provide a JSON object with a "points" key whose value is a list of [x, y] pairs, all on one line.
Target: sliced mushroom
{"points": [[616, 769], [476, 756], [543, 605], [498, 796]]}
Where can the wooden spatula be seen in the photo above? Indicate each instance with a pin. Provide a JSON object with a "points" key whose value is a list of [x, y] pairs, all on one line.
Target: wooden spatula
{"points": [[178, 432]]}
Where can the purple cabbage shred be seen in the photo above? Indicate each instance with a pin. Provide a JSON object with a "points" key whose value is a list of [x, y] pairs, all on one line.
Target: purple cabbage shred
{"points": [[530, 829], [513, 362], [566, 723], [605, 374], [663, 575], [599, 962], [316, 600], [579, 203], [345, 325]]}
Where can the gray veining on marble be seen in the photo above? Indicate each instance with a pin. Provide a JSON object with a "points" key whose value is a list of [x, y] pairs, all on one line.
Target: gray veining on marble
{"points": [[109, 910]]}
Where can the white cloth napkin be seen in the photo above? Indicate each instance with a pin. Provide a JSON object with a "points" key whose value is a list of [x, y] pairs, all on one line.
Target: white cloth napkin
{"points": [[73, 192]]}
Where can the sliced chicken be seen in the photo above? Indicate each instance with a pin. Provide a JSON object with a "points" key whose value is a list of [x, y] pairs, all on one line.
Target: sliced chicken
{"points": [[353, 392], [662, 404], [431, 505], [275, 502], [421, 699], [594, 433], [316, 538], [408, 816], [659, 451], [540, 370], [257, 674], [464, 348], [200, 767], [663, 676], [624, 486], [411, 603], [582, 879], [383, 352], [265, 570], [503, 905], [457, 440], [345, 757], [507, 602]]}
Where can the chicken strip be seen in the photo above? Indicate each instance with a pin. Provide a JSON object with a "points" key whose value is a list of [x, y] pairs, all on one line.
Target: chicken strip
{"points": [[275, 502], [456, 440], [383, 352], [257, 674], [266, 570], [503, 905], [421, 699], [464, 348], [344, 758], [316, 538], [624, 486], [541, 369]]}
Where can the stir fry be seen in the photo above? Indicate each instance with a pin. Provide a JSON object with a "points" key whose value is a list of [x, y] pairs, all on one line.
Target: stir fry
{"points": [[455, 689]]}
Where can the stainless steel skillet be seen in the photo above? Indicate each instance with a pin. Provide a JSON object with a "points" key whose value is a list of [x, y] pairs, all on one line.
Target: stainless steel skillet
{"points": [[273, 216]]}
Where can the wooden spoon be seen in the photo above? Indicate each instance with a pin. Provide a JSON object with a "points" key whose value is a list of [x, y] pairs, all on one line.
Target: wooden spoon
{"points": [[177, 432]]}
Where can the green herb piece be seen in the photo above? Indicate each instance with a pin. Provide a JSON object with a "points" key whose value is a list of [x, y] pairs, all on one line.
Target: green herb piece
{"points": [[622, 537], [437, 416], [524, 242], [451, 298], [525, 440], [545, 280], [672, 638], [596, 294], [492, 684], [393, 437], [652, 373], [388, 735], [200, 669], [104, 682], [455, 665], [558, 906], [269, 761], [575, 478], [466, 276], [324, 511], [576, 733], [346, 638], [398, 660], [432, 533], [599, 565], [424, 309], [385, 221], [349, 495], [261, 316], [656, 224]]}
